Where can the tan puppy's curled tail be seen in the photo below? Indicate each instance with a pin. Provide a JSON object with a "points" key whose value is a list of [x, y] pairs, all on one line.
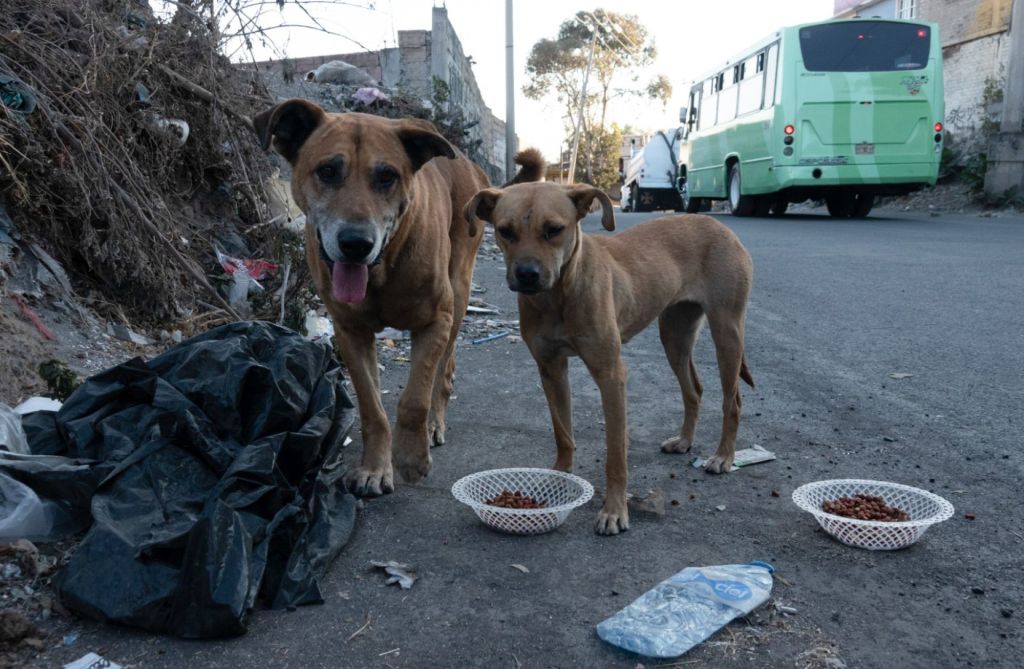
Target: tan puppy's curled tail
{"points": [[745, 372], [531, 167]]}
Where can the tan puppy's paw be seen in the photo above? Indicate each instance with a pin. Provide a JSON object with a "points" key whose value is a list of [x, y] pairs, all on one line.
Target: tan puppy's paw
{"points": [[412, 467], [676, 445], [611, 522], [436, 431], [562, 465], [718, 464], [370, 482]]}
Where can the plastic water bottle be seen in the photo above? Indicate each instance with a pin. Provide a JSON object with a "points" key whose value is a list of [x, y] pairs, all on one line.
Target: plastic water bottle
{"points": [[683, 610]]}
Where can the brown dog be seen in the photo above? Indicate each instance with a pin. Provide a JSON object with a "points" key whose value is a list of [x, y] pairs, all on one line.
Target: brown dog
{"points": [[387, 245], [586, 296]]}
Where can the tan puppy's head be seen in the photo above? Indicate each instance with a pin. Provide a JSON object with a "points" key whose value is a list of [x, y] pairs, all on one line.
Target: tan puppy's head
{"points": [[537, 227], [352, 176]]}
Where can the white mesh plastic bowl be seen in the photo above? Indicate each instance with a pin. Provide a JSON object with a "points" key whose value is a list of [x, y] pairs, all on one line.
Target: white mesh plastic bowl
{"points": [[560, 492], [924, 508]]}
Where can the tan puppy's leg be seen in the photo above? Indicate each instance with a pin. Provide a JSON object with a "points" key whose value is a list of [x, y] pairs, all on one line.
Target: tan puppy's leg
{"points": [[727, 332], [374, 475], [554, 376], [412, 445], [610, 375], [679, 326]]}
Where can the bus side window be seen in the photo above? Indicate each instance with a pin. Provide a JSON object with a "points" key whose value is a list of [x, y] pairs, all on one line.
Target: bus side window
{"points": [[771, 77], [693, 113], [727, 99], [708, 100], [751, 87]]}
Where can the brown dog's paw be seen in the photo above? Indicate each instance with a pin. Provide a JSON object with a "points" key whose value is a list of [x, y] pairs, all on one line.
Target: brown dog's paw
{"points": [[717, 464], [676, 445], [365, 482], [412, 468], [612, 522], [436, 432]]}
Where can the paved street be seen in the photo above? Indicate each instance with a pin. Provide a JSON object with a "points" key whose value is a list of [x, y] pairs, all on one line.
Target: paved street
{"points": [[837, 307]]}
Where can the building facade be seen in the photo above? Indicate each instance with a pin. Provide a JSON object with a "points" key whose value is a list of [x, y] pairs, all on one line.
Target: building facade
{"points": [[975, 51], [421, 60]]}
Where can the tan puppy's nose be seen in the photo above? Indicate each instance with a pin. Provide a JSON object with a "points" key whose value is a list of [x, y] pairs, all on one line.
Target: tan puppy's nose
{"points": [[527, 275]]}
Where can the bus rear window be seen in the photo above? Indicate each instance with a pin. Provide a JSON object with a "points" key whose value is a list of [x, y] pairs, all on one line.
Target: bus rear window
{"points": [[865, 46]]}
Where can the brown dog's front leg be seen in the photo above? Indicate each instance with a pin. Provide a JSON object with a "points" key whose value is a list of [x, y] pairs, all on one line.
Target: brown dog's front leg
{"points": [[374, 475], [554, 376], [610, 375], [412, 444]]}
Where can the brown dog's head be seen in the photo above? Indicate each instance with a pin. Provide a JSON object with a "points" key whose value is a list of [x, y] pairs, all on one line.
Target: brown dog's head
{"points": [[352, 176], [537, 227]]}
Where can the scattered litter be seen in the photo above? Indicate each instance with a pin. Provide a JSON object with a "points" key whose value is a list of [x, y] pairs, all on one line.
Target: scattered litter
{"points": [[653, 503], [477, 288], [493, 337], [318, 327], [779, 607], [822, 656], [33, 404], [969, 516], [70, 639], [12, 436], [473, 309], [720, 507], [775, 493], [16, 96], [367, 95], [520, 567], [34, 318], [245, 274], [362, 629], [27, 556], [388, 652], [125, 333], [92, 661], [392, 334], [687, 608], [744, 458], [890, 440], [397, 572], [900, 375], [175, 128]]}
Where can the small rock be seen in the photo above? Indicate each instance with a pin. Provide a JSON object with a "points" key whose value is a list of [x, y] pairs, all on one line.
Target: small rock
{"points": [[969, 516], [675, 502], [720, 507], [775, 493], [1006, 613], [889, 439], [977, 591]]}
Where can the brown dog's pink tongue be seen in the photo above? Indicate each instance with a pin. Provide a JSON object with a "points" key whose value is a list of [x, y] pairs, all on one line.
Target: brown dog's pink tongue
{"points": [[348, 282]]}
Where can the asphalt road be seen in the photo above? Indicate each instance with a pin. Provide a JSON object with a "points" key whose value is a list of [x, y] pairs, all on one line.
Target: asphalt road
{"points": [[836, 308]]}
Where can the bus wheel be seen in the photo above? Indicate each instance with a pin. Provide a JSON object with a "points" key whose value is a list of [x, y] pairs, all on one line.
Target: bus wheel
{"points": [[762, 206], [779, 206], [840, 206], [741, 205], [695, 205], [862, 205]]}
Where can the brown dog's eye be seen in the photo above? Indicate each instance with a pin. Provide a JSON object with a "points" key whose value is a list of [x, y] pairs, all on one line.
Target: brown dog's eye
{"points": [[551, 231], [507, 233], [330, 172], [384, 178]]}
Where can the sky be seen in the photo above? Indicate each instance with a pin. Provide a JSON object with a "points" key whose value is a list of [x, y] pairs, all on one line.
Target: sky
{"points": [[691, 37]]}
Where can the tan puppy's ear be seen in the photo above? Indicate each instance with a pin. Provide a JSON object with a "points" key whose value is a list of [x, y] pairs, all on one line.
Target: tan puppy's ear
{"points": [[422, 142], [480, 208], [288, 125], [583, 197]]}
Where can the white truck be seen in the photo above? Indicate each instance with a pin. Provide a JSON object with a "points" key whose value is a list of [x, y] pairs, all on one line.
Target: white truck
{"points": [[649, 178]]}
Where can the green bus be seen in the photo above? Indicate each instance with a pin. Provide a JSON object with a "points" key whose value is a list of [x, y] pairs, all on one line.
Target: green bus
{"points": [[841, 111]]}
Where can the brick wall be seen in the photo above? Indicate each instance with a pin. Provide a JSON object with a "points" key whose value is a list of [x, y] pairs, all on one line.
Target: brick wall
{"points": [[968, 67]]}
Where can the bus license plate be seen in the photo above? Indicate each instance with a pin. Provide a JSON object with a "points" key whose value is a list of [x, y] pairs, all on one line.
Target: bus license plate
{"points": [[865, 148]]}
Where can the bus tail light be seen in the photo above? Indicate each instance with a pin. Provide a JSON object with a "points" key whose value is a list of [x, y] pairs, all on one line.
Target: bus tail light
{"points": [[938, 126], [789, 129]]}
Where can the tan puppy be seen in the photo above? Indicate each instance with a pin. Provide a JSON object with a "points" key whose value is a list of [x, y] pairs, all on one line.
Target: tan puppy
{"points": [[586, 296], [387, 245]]}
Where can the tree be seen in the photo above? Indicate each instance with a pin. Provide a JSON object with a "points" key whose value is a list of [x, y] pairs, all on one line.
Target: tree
{"points": [[622, 49], [604, 148]]}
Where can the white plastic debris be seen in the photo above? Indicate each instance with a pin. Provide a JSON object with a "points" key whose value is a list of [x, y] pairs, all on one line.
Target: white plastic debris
{"points": [[745, 457], [33, 404], [92, 661], [12, 437], [318, 327]]}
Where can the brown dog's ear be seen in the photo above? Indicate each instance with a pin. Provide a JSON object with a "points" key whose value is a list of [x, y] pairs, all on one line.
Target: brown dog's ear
{"points": [[480, 208], [288, 125], [422, 142], [583, 197]]}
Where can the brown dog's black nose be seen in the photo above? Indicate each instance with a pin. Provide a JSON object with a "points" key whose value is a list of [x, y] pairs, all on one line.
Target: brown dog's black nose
{"points": [[527, 275], [354, 245]]}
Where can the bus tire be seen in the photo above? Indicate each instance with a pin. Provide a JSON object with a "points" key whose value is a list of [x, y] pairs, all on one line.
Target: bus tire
{"points": [[862, 205], [840, 205], [762, 206], [694, 205], [779, 206], [741, 205]]}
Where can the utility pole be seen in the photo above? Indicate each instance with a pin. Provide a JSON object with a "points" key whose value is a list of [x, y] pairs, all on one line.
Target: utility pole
{"points": [[1006, 150], [510, 100], [583, 102]]}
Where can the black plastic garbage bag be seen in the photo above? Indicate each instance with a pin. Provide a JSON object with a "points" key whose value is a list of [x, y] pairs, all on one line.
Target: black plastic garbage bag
{"points": [[216, 480]]}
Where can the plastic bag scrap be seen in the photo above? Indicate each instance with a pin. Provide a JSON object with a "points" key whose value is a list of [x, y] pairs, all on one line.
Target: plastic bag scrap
{"points": [[687, 608], [12, 436], [211, 476], [245, 274]]}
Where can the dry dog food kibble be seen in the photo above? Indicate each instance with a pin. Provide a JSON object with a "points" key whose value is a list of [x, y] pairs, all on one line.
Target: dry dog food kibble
{"points": [[864, 507], [515, 500]]}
